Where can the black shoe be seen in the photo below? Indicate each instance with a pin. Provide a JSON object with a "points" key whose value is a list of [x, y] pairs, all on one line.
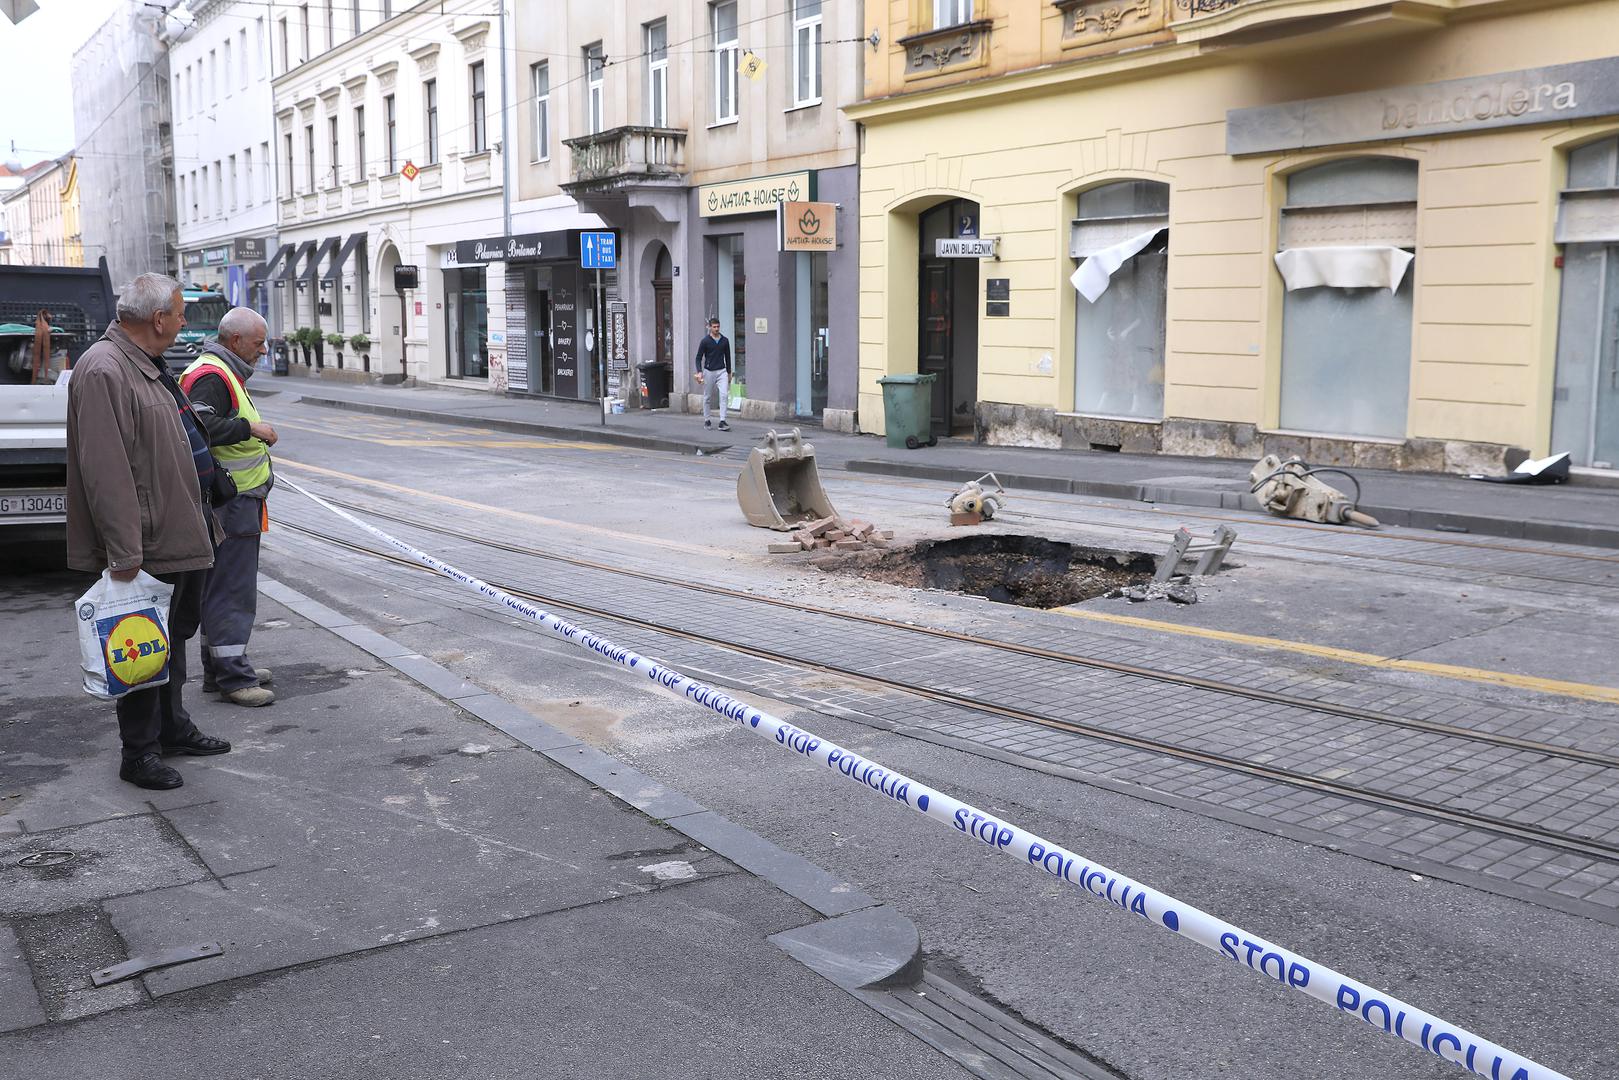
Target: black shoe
{"points": [[708, 423], [148, 771], [724, 426], [198, 745]]}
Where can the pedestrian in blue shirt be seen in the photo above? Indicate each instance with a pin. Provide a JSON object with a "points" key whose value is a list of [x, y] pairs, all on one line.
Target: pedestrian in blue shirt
{"points": [[714, 370]]}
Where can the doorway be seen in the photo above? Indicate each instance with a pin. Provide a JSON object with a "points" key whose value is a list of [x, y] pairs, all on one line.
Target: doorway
{"points": [[663, 307], [391, 319], [813, 333], [947, 337], [1585, 398], [537, 303]]}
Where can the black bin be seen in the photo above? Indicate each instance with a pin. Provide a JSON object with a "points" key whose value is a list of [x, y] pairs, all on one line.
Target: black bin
{"points": [[656, 380], [280, 354]]}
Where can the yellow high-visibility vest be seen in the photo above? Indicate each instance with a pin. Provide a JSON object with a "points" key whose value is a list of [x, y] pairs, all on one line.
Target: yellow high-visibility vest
{"points": [[248, 461]]}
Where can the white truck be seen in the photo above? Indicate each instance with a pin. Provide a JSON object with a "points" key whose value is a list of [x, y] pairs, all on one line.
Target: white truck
{"points": [[78, 304]]}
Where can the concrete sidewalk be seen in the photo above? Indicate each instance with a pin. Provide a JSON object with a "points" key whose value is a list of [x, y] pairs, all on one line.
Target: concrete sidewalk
{"points": [[403, 887], [1585, 511]]}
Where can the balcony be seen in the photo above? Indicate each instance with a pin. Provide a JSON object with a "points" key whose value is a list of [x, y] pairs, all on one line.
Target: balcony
{"points": [[626, 157], [1242, 22]]}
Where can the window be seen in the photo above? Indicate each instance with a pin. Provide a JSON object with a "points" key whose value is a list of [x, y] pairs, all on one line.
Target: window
{"points": [[387, 10], [303, 31], [595, 64], [180, 185], [354, 17], [480, 119], [1346, 350], [247, 176], [430, 98], [359, 142], [179, 97], [203, 203], [233, 191], [264, 163], [657, 74], [258, 47], [309, 154], [196, 196], [219, 188], [226, 79], [287, 157], [242, 63], [286, 47], [1119, 335], [725, 61], [952, 12], [331, 26], [331, 140], [539, 77], [806, 52], [390, 132], [213, 77]]}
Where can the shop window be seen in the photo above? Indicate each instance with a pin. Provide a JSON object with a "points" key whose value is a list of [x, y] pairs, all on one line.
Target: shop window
{"points": [[1120, 239], [1585, 396], [466, 309], [731, 302], [1348, 231]]}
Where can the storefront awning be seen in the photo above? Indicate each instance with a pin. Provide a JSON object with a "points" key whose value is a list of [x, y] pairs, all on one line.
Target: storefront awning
{"points": [[327, 247], [1096, 272], [266, 270], [1343, 267], [334, 271], [297, 256]]}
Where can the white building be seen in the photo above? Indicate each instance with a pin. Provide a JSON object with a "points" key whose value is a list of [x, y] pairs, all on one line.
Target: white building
{"points": [[386, 125], [223, 129]]}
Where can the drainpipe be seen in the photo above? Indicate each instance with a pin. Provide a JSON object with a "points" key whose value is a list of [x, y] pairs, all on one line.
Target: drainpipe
{"points": [[505, 134]]}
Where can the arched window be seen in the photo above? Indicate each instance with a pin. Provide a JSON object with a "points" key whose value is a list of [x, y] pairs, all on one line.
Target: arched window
{"points": [[1349, 229], [1120, 239], [1585, 399]]}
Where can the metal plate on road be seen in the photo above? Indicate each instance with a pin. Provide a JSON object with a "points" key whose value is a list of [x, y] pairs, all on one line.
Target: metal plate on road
{"points": [[33, 503]]}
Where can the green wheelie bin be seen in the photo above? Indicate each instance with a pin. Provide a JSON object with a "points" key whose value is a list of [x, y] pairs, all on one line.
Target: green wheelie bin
{"points": [[908, 409]]}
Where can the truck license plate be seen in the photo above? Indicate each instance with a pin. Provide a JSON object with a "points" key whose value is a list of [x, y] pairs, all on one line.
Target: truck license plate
{"points": [[25, 503]]}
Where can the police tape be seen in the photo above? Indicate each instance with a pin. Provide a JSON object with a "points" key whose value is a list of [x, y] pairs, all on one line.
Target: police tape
{"points": [[1444, 1040]]}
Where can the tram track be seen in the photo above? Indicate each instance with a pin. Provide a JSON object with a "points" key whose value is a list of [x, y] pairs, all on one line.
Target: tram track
{"points": [[1586, 846]]}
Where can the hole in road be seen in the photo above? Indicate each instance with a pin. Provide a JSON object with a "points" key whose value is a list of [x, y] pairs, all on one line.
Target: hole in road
{"points": [[1029, 571]]}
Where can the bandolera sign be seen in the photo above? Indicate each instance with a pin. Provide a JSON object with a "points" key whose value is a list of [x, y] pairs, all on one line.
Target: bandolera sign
{"points": [[1514, 98], [756, 195]]}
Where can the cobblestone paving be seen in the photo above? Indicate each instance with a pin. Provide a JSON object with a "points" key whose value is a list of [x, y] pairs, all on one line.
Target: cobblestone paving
{"points": [[1456, 773]]}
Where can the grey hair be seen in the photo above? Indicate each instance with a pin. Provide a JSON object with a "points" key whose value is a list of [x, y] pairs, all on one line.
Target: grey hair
{"points": [[144, 297], [239, 321]]}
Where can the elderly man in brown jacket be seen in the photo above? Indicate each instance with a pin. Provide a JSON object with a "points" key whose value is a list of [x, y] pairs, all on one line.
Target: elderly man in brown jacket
{"points": [[137, 499]]}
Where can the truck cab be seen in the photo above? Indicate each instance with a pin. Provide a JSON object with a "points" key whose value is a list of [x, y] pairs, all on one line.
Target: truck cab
{"points": [[204, 308], [78, 303]]}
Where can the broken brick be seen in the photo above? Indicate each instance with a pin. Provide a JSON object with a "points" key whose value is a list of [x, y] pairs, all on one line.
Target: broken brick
{"points": [[784, 549], [848, 544]]}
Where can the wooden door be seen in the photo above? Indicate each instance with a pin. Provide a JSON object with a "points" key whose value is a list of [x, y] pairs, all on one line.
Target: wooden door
{"points": [[936, 336]]}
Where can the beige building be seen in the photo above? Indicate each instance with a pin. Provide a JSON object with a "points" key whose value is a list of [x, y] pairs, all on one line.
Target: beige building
{"points": [[680, 127], [1386, 235], [41, 216]]}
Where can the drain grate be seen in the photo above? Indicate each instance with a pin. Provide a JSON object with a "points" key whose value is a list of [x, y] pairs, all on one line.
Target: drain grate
{"points": [[984, 1038]]}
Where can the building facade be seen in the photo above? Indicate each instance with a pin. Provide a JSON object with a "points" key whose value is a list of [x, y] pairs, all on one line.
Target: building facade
{"points": [[124, 143], [386, 121], [1380, 235], [39, 216], [682, 127], [225, 205]]}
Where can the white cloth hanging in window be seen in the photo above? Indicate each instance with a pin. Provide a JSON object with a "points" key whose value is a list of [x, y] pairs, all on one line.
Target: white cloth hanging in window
{"points": [[1095, 273], [1343, 267]]}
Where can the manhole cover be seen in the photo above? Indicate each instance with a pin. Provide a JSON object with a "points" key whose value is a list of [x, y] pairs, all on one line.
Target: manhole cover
{"points": [[47, 858], [1029, 571]]}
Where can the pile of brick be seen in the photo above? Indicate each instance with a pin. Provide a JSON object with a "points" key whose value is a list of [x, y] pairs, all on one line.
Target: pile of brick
{"points": [[835, 534]]}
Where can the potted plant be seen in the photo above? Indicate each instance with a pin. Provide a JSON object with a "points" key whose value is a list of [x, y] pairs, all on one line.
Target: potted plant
{"points": [[337, 341], [302, 337], [362, 345]]}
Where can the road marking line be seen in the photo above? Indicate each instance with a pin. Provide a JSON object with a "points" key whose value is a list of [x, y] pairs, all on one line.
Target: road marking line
{"points": [[596, 530], [454, 439], [1585, 691]]}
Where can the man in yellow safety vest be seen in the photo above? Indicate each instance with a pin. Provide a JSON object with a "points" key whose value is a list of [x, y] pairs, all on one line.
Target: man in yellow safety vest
{"points": [[240, 441]]}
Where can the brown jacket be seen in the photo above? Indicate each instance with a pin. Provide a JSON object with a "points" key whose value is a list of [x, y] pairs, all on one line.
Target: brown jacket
{"points": [[132, 494]]}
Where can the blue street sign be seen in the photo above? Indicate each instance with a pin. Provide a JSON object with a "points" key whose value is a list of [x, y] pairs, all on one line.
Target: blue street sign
{"points": [[598, 250]]}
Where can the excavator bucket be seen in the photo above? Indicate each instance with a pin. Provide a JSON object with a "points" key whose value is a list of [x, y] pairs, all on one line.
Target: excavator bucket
{"points": [[780, 487]]}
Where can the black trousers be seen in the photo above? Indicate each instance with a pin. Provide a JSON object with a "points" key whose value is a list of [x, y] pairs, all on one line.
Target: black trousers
{"points": [[149, 718]]}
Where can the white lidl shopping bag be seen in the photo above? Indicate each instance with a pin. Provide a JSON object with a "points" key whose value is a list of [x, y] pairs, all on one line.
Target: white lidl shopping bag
{"points": [[124, 635]]}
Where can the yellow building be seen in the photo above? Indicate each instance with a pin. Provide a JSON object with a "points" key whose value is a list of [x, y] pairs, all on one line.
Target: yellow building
{"points": [[1373, 233], [72, 235]]}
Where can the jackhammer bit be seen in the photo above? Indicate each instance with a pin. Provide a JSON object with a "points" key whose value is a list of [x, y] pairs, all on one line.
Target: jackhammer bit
{"points": [[1291, 489]]}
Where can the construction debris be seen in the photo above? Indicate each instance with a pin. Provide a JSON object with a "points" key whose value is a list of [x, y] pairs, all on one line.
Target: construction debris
{"points": [[834, 534]]}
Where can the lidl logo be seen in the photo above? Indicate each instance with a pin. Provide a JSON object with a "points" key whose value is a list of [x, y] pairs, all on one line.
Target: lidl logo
{"points": [[136, 649]]}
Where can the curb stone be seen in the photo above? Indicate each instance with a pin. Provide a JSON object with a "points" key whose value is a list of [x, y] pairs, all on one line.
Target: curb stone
{"points": [[859, 942]]}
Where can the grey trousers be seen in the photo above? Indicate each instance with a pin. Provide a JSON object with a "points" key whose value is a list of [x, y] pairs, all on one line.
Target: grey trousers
{"points": [[230, 597]]}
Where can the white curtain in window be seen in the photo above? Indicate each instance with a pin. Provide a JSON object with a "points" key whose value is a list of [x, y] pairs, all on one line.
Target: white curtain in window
{"points": [[1094, 274], [1343, 267]]}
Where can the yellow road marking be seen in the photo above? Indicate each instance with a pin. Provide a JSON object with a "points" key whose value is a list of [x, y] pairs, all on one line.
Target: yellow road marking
{"points": [[1585, 691], [556, 523]]}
